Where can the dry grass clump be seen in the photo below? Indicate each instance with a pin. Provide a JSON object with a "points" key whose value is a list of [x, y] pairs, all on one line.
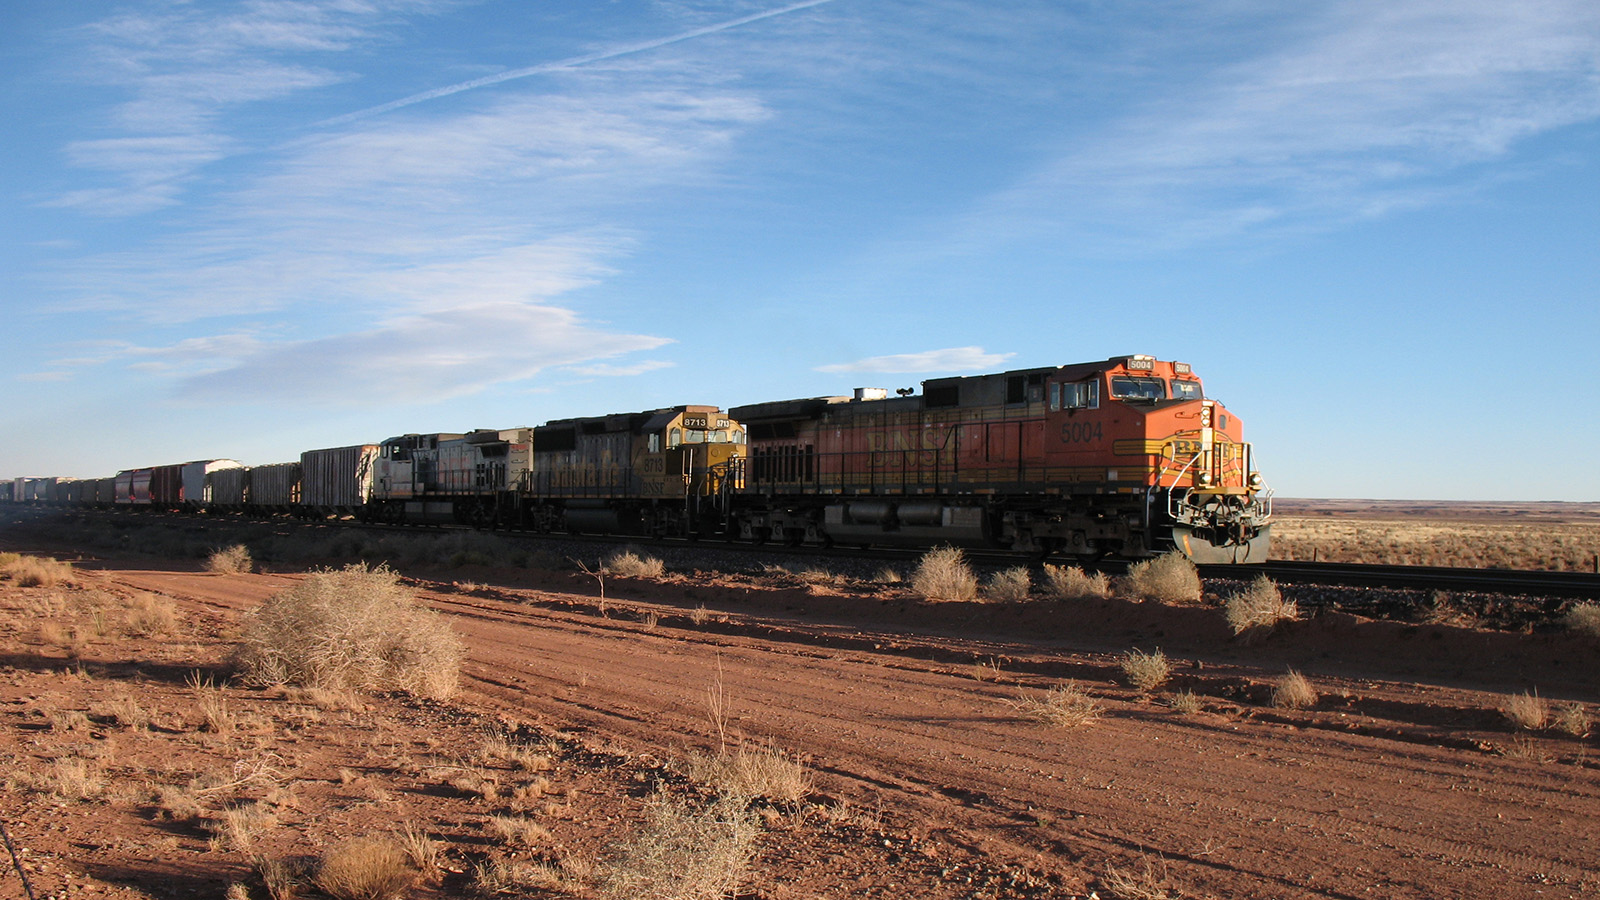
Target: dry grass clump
{"points": [[373, 868], [1572, 719], [215, 716], [1139, 883], [750, 772], [424, 852], [1072, 583], [238, 826], [1169, 578], [124, 711], [628, 564], [943, 574], [1526, 711], [232, 560], [519, 831], [506, 876], [1009, 585], [683, 853], [1261, 605], [37, 571], [150, 615], [501, 747], [71, 778], [1294, 691], [1065, 706], [1186, 702], [1584, 618], [354, 628], [1146, 671]]}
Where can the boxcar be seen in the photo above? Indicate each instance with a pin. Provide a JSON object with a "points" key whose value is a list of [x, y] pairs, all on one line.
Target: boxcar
{"points": [[337, 480], [275, 487], [228, 489]]}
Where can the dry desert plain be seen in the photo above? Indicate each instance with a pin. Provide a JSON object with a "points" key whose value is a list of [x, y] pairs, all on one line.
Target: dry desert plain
{"points": [[596, 723]]}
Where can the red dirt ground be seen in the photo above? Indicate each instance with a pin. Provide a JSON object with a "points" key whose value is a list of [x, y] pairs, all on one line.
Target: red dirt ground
{"points": [[1404, 781]]}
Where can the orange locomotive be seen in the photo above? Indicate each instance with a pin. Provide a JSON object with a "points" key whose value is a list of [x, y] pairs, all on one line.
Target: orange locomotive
{"points": [[1125, 457]]}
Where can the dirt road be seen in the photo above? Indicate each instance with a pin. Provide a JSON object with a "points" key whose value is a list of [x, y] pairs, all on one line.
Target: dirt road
{"points": [[1403, 782]]}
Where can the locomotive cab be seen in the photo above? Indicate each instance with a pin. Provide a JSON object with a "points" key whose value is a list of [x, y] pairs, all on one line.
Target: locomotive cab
{"points": [[1148, 426]]}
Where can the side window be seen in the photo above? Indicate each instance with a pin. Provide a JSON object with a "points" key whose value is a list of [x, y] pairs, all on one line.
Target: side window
{"points": [[1082, 395], [655, 443], [1055, 396]]}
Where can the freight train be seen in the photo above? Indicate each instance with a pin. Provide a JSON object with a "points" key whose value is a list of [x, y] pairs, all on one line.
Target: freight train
{"points": [[1126, 457]]}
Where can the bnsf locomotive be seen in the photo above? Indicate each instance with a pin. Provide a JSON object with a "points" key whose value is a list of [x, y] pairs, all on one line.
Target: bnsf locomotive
{"points": [[1125, 457]]}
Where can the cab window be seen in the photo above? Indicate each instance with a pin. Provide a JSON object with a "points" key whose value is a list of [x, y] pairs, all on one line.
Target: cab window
{"points": [[1134, 387], [1081, 395], [674, 437], [1186, 390]]}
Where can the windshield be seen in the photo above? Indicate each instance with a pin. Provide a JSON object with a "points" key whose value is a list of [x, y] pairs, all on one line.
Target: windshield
{"points": [[1131, 387], [1185, 390]]}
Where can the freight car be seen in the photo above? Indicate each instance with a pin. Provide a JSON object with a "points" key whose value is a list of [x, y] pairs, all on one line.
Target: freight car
{"points": [[1124, 457]]}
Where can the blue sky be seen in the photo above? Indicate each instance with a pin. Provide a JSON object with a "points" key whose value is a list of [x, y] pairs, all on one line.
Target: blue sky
{"points": [[247, 229]]}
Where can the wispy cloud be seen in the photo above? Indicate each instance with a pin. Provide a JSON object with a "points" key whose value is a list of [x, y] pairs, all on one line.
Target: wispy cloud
{"points": [[607, 370], [570, 63], [414, 359], [953, 359], [1373, 107], [183, 68]]}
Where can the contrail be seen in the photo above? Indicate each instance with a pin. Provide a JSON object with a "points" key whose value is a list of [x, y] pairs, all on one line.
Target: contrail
{"points": [[565, 63]]}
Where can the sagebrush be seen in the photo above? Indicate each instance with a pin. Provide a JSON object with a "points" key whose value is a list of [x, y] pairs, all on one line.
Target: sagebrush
{"points": [[1066, 706], [1146, 671], [629, 564], [943, 574], [1072, 583], [231, 560], [683, 853], [373, 868], [1260, 606], [1294, 691], [1170, 578], [1010, 585], [350, 629]]}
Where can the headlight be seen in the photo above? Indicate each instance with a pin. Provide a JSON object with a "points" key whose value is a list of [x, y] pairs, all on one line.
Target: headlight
{"points": [[1255, 480], [1205, 478]]}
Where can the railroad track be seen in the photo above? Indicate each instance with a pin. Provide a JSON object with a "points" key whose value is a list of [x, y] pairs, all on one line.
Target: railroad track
{"points": [[1574, 585], [1580, 585]]}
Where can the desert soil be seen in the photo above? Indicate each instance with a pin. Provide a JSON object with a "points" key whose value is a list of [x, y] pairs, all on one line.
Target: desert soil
{"points": [[1403, 781]]}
